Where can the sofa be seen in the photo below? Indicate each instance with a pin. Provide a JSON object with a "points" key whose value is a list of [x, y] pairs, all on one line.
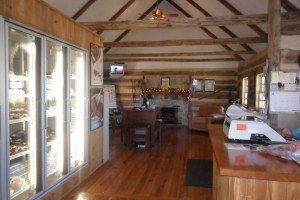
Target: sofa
{"points": [[206, 114]]}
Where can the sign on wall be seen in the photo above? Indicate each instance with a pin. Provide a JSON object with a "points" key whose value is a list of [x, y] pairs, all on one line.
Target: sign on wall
{"points": [[96, 65]]}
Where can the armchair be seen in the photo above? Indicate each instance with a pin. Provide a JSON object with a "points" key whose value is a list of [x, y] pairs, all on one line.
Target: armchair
{"points": [[205, 115]]}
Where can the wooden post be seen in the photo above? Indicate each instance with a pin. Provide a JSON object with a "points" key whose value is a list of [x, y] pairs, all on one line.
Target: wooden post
{"points": [[274, 24]]}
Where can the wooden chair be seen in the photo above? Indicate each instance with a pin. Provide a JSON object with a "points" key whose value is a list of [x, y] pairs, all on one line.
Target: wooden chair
{"points": [[134, 117], [139, 135]]}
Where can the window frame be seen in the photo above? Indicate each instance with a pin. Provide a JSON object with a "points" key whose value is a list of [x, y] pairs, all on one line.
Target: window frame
{"points": [[260, 91], [245, 90]]}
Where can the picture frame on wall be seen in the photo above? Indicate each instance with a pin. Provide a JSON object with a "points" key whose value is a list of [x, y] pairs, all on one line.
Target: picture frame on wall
{"points": [[209, 85], [165, 82], [96, 108], [96, 65], [198, 85]]}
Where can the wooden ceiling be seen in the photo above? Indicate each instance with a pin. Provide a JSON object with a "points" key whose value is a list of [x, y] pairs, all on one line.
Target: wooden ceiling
{"points": [[224, 31]]}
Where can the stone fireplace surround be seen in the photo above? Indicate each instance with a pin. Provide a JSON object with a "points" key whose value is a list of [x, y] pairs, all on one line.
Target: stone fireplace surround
{"points": [[169, 100], [179, 106]]}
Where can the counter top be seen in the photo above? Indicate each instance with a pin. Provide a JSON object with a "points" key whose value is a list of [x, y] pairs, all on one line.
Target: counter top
{"points": [[250, 164]]}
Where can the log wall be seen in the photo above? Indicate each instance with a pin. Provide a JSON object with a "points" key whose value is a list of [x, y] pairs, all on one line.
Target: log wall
{"points": [[129, 87]]}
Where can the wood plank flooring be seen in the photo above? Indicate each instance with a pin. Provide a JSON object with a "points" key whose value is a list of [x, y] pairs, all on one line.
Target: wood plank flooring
{"points": [[156, 173]]}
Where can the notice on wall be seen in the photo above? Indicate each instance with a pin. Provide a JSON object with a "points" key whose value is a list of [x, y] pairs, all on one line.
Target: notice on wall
{"points": [[111, 92], [284, 101]]}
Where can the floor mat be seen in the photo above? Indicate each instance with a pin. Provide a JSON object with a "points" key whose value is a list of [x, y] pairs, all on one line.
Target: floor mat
{"points": [[199, 173]]}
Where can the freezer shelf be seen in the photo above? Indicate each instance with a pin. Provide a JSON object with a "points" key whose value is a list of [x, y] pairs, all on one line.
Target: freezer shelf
{"points": [[14, 121], [17, 155]]}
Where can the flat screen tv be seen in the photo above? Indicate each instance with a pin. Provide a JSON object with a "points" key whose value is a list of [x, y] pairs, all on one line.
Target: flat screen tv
{"points": [[116, 70]]}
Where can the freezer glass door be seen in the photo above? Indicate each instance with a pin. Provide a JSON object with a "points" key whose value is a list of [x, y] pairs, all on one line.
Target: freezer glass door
{"points": [[77, 114], [24, 97], [56, 109]]}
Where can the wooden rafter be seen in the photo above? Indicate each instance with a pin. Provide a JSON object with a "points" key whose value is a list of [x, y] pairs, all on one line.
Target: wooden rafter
{"points": [[147, 12], [83, 9], [189, 22], [120, 12], [187, 42], [170, 59], [235, 11], [226, 30], [212, 53], [177, 22], [208, 32], [288, 6]]}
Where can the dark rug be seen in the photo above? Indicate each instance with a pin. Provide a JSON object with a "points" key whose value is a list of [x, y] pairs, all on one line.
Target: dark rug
{"points": [[199, 173]]}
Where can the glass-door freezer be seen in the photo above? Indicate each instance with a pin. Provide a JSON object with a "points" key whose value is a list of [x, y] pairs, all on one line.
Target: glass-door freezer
{"points": [[43, 110], [24, 113], [56, 111], [77, 107]]}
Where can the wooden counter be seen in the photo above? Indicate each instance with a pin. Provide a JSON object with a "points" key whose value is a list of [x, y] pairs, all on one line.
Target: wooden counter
{"points": [[251, 175]]}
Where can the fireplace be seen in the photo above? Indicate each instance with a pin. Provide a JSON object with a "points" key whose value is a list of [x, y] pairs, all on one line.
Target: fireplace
{"points": [[169, 115]]}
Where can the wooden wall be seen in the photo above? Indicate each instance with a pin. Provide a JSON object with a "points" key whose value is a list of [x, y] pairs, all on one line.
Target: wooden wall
{"points": [[290, 53], [39, 15], [129, 87], [250, 68]]}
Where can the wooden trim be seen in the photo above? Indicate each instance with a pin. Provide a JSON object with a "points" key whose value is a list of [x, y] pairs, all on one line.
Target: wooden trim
{"points": [[290, 23], [187, 42], [125, 7], [178, 22], [169, 59], [225, 29], [208, 32], [120, 12], [140, 18], [288, 6], [220, 72], [235, 11], [274, 24], [83, 9], [129, 55], [259, 58]]}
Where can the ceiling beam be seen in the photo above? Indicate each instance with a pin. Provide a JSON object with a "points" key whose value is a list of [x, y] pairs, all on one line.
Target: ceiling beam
{"points": [[169, 59], [208, 32], [288, 6], [147, 12], [177, 22], [211, 53], [120, 12], [189, 22], [225, 29], [290, 25], [235, 11], [83, 9], [187, 42]]}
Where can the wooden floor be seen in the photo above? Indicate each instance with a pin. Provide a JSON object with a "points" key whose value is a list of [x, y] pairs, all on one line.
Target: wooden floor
{"points": [[155, 173]]}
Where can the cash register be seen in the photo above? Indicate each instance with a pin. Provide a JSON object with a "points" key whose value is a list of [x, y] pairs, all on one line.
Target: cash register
{"points": [[243, 125]]}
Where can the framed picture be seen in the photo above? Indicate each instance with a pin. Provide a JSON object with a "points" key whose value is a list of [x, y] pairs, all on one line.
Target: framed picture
{"points": [[96, 65], [165, 82], [198, 85], [96, 108], [209, 85]]}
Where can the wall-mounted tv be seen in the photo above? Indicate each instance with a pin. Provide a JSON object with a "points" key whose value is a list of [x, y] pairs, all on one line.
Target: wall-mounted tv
{"points": [[116, 70]]}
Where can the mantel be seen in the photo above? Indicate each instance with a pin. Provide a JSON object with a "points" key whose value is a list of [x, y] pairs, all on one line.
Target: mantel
{"points": [[175, 91]]}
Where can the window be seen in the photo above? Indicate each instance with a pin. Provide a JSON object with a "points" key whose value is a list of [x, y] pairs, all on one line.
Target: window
{"points": [[245, 91], [260, 101]]}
